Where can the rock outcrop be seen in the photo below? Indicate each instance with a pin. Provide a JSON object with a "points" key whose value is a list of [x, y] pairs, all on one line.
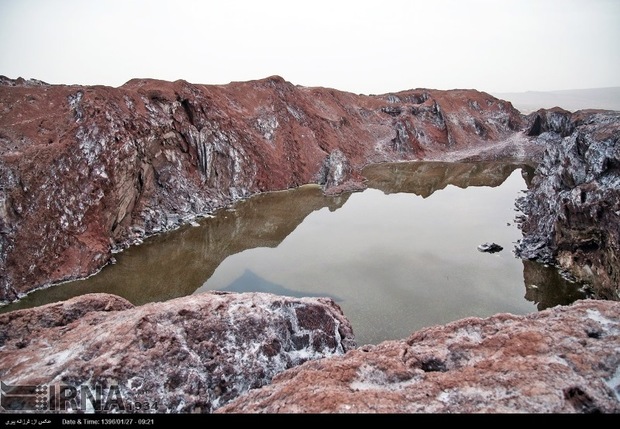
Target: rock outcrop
{"points": [[192, 354], [556, 120], [94, 169], [560, 360], [572, 210]]}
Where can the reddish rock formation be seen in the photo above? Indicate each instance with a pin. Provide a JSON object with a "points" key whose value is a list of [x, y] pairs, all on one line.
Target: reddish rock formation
{"points": [[561, 360], [88, 170], [191, 354]]}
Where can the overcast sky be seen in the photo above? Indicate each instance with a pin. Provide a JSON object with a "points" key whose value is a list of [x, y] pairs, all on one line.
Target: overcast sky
{"points": [[360, 46]]}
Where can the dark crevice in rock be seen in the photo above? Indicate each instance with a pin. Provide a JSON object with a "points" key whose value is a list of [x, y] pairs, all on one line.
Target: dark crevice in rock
{"points": [[582, 402], [433, 365], [188, 111]]}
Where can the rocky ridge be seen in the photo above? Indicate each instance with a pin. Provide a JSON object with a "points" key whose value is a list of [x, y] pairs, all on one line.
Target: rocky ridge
{"points": [[262, 353]]}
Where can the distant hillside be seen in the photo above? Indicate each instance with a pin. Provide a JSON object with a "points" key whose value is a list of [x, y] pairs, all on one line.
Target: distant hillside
{"points": [[596, 98]]}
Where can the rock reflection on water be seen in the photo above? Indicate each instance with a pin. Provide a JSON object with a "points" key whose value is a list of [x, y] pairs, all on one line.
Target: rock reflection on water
{"points": [[425, 178], [545, 286], [403, 254], [251, 282], [397, 257], [175, 264]]}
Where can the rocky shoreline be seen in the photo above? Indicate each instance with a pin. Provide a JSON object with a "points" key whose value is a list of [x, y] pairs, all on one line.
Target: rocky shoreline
{"points": [[95, 169], [572, 209]]}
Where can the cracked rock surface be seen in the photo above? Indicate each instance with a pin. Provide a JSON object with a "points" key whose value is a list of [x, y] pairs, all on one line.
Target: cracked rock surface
{"points": [[560, 360], [191, 354]]}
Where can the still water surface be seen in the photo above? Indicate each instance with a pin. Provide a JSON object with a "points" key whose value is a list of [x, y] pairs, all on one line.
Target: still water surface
{"points": [[396, 257]]}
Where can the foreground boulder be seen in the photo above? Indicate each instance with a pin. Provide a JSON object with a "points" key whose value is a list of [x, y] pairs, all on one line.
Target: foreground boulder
{"points": [[191, 354], [561, 360]]}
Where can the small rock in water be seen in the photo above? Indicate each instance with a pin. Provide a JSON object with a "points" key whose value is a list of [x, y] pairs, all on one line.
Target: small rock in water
{"points": [[490, 247]]}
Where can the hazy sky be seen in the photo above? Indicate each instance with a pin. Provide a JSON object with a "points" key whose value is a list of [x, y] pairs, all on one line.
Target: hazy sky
{"points": [[359, 46]]}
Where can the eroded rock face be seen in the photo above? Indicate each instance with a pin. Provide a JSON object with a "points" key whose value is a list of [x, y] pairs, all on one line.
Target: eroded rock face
{"points": [[573, 206], [191, 354], [94, 169], [555, 120], [561, 360]]}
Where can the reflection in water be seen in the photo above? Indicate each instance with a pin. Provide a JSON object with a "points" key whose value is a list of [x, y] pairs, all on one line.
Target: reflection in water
{"points": [[251, 282], [425, 178], [400, 261], [547, 288], [177, 263], [396, 257]]}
